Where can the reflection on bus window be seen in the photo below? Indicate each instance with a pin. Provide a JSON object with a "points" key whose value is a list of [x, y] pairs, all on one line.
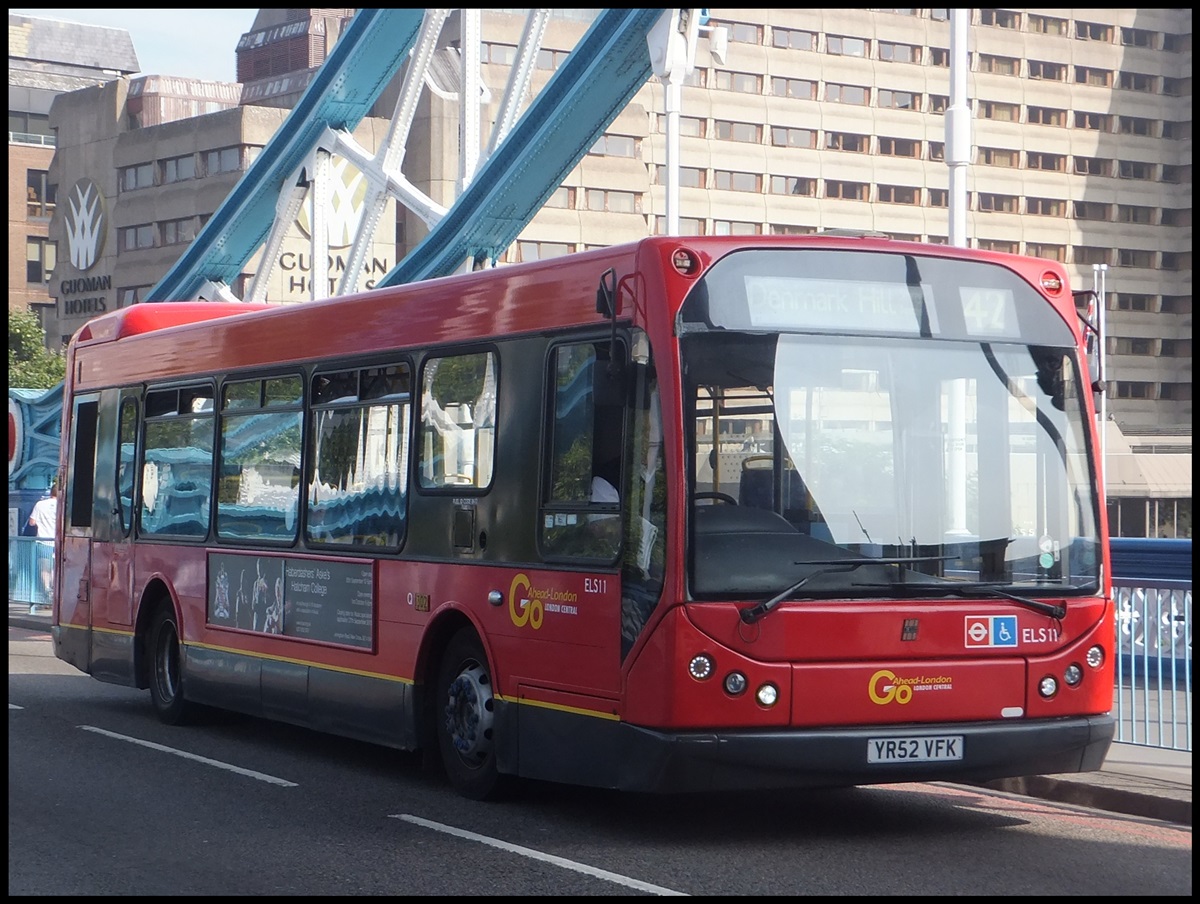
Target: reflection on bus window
{"points": [[458, 421]]}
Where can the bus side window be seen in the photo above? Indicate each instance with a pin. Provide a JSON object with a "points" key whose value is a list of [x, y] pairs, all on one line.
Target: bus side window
{"points": [[581, 514]]}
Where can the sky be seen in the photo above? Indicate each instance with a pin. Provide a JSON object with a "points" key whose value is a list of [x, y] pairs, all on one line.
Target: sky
{"points": [[189, 42]]}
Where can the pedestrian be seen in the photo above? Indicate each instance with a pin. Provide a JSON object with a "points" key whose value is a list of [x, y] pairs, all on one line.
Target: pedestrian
{"points": [[44, 518]]}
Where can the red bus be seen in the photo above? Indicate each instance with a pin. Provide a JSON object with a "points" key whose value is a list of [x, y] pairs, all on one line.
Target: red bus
{"points": [[688, 513]]}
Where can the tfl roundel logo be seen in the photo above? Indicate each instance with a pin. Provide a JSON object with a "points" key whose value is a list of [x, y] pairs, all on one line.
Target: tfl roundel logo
{"points": [[991, 631]]}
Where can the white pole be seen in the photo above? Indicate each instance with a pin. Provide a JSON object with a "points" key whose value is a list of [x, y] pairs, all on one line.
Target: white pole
{"points": [[958, 127]]}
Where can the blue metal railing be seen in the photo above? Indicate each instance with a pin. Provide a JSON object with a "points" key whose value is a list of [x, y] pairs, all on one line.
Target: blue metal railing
{"points": [[1152, 701]]}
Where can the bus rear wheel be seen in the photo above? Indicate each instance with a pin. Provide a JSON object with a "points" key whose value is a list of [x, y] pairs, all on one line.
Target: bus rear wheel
{"points": [[166, 679], [464, 715]]}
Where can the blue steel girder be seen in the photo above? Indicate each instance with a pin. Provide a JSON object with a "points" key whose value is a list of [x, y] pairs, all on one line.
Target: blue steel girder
{"points": [[362, 62], [586, 93]]}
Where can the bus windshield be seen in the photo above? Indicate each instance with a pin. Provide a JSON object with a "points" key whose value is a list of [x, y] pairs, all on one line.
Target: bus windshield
{"points": [[963, 455]]}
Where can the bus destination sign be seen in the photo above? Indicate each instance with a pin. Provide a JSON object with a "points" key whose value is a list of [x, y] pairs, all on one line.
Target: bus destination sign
{"points": [[833, 304]]}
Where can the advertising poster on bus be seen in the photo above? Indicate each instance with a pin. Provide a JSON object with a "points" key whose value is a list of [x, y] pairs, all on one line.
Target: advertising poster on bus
{"points": [[306, 598]]}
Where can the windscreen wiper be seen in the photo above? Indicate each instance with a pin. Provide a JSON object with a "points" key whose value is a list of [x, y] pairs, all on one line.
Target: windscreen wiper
{"points": [[981, 590], [827, 566]]}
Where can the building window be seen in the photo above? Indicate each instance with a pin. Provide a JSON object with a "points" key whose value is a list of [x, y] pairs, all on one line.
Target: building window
{"points": [[791, 229], [1136, 81], [1176, 392], [847, 94], [501, 54], [1128, 389], [793, 185], [612, 201], [1093, 31], [990, 109], [131, 295], [1171, 173], [1047, 116], [41, 255], [614, 146], [1038, 160], [793, 138], [1043, 71], [1176, 348], [1096, 78], [847, 191], [796, 88], [1172, 216], [897, 100], [938, 103], [736, 227], [997, 245], [549, 59], [742, 82], [1047, 252], [134, 238], [1092, 166], [999, 65], [541, 251], [689, 176], [1173, 260], [1090, 210], [999, 157], [899, 194], [135, 177], [1176, 43], [178, 169], [1135, 257], [1137, 37], [1045, 207], [939, 56], [846, 141], [687, 226], [1134, 347], [748, 132], [1135, 169], [844, 46], [1135, 125], [1177, 304], [939, 197], [899, 53], [39, 193], [1175, 131], [1086, 254], [731, 181], [937, 150], [1096, 122], [1047, 25], [223, 160], [1128, 301], [990, 202], [1129, 213], [999, 18], [900, 147], [563, 198], [792, 39], [178, 232], [742, 32]]}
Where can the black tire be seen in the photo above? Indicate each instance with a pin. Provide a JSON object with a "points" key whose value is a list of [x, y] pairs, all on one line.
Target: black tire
{"points": [[464, 711], [166, 676]]}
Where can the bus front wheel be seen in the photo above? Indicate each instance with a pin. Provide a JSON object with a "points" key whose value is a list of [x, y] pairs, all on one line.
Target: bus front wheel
{"points": [[166, 684], [464, 716]]}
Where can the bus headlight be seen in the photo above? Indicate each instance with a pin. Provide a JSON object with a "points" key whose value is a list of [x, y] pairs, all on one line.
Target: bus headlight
{"points": [[1048, 686], [700, 667], [735, 684], [1095, 657], [768, 695], [1073, 674]]}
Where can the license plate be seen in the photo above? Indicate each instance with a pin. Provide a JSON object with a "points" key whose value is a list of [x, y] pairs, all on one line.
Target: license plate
{"points": [[917, 749]]}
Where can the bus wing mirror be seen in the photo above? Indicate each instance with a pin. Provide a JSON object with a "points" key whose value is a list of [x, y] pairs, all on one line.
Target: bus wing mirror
{"points": [[606, 293]]}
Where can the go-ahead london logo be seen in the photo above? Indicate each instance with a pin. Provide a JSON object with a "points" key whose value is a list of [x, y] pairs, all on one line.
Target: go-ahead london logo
{"points": [[86, 224]]}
